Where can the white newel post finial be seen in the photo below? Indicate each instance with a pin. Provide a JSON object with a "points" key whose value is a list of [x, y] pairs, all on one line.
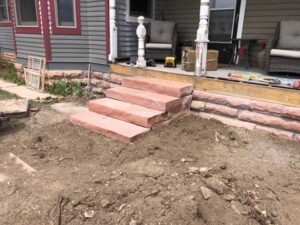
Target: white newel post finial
{"points": [[141, 33], [202, 39]]}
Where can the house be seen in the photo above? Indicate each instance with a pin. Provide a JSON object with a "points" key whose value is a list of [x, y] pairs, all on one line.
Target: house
{"points": [[71, 34]]}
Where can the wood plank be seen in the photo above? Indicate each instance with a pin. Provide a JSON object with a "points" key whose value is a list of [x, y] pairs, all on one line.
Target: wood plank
{"points": [[253, 91], [133, 71]]}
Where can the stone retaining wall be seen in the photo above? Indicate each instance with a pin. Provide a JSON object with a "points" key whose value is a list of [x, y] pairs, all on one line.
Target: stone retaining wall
{"points": [[8, 56], [280, 120]]}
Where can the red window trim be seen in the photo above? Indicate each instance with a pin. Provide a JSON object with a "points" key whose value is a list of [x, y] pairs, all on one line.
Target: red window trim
{"points": [[28, 29], [66, 30], [9, 22]]}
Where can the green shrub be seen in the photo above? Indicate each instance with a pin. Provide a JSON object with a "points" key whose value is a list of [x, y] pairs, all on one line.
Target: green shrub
{"points": [[8, 72], [65, 88]]}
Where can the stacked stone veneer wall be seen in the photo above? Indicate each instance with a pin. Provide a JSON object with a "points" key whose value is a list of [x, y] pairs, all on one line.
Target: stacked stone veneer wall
{"points": [[98, 79], [277, 119], [8, 56]]}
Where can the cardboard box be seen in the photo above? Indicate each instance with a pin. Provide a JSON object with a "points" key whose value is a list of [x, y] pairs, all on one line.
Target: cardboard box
{"points": [[188, 60]]}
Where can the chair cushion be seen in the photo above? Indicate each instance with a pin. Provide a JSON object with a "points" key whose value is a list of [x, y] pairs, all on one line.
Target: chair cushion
{"points": [[161, 32], [289, 35], [285, 53], [158, 46]]}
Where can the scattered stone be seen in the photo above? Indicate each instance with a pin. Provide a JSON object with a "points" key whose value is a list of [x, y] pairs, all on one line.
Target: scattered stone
{"points": [[204, 169], [260, 211], [239, 208], [216, 185], [229, 197], [105, 203], [194, 170], [121, 207], [89, 214], [133, 222], [183, 160], [39, 139], [206, 192], [192, 197], [16, 108]]}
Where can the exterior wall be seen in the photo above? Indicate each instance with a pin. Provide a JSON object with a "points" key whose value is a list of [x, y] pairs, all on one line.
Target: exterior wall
{"points": [[186, 15], [127, 39], [261, 19], [6, 40], [90, 46], [29, 44]]}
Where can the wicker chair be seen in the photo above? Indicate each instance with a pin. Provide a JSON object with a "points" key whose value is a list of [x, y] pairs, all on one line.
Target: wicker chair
{"points": [[161, 40], [283, 50]]}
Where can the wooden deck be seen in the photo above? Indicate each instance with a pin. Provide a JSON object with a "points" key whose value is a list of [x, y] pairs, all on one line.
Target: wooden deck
{"points": [[237, 88]]}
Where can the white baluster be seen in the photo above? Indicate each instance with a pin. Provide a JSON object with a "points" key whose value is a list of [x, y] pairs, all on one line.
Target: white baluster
{"points": [[202, 39], [141, 33]]}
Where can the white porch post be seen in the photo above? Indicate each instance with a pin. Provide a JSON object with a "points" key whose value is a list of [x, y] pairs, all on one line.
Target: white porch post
{"points": [[113, 31], [141, 33], [202, 39]]}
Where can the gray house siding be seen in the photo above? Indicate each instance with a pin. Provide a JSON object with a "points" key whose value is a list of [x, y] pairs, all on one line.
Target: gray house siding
{"points": [[90, 46], [29, 44], [261, 18], [127, 39], [6, 40], [186, 15]]}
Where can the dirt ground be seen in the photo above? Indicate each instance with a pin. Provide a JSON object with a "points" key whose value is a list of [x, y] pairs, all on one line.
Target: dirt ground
{"points": [[83, 178]]}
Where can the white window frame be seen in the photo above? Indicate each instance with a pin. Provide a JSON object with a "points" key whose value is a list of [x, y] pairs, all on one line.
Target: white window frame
{"points": [[75, 15], [133, 19], [7, 13], [36, 14]]}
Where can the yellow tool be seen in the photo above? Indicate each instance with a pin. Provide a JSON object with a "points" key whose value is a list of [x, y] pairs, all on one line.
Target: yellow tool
{"points": [[170, 61]]}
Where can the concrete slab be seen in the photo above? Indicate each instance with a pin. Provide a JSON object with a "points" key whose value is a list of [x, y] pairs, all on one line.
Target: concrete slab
{"points": [[14, 107], [23, 91], [68, 108]]}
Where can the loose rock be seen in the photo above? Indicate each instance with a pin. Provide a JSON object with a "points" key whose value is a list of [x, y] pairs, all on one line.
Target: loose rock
{"points": [[105, 203], [89, 214], [216, 185], [194, 170], [206, 192]]}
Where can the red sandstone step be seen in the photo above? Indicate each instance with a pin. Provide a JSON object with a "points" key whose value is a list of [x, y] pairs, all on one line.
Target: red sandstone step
{"points": [[107, 126], [166, 87], [127, 112], [144, 98]]}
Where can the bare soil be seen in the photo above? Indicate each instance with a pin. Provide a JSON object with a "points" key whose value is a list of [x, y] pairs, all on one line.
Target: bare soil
{"points": [[85, 178]]}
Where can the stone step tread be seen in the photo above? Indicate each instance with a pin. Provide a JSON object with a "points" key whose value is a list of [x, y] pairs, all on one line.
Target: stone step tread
{"points": [[128, 112], [108, 126], [144, 98], [168, 87]]}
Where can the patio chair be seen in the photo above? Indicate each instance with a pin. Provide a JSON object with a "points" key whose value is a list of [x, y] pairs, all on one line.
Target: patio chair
{"points": [[283, 51], [161, 40]]}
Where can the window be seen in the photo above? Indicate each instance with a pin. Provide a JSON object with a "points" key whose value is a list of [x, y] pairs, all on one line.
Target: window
{"points": [[136, 8], [65, 13], [26, 13], [4, 16], [221, 20]]}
